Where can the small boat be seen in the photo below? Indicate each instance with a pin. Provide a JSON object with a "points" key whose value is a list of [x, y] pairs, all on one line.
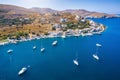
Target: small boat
{"points": [[75, 62], [83, 34], [98, 45], [10, 51], [14, 42], [89, 34], [95, 56], [76, 35], [23, 70], [34, 47], [42, 49], [54, 43], [63, 36]]}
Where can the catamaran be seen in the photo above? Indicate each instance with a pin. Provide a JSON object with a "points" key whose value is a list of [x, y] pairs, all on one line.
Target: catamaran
{"points": [[10, 51], [54, 43], [23, 70]]}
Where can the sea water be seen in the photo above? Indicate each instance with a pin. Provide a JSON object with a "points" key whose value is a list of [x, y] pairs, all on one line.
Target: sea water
{"points": [[56, 62]]}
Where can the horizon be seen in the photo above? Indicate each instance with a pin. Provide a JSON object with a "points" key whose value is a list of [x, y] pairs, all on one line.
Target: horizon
{"points": [[108, 6]]}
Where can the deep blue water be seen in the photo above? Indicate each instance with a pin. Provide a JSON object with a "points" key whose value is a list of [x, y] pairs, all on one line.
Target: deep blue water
{"points": [[56, 63]]}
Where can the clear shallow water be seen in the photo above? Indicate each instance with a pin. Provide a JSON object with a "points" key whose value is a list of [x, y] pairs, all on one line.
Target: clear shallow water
{"points": [[56, 63]]}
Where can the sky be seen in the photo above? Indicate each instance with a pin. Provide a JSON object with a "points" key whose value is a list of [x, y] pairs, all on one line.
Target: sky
{"points": [[105, 6]]}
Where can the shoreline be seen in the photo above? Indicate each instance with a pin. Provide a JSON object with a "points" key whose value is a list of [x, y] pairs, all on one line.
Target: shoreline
{"points": [[49, 36]]}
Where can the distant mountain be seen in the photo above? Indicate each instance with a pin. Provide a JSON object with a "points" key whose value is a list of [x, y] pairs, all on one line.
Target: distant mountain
{"points": [[43, 10], [82, 12], [12, 11]]}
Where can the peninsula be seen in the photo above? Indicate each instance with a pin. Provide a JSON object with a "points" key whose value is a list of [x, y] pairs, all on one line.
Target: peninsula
{"points": [[21, 24]]}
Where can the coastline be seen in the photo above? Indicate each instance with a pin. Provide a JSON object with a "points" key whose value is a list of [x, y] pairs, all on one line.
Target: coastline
{"points": [[49, 36]]}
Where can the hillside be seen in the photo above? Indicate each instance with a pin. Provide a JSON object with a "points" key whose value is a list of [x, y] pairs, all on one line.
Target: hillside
{"points": [[43, 10], [82, 12], [11, 11], [15, 20]]}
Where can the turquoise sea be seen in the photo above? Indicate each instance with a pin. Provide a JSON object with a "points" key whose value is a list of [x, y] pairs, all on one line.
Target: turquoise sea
{"points": [[56, 63]]}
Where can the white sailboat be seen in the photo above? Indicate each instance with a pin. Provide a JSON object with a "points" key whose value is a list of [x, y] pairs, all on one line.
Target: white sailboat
{"points": [[10, 51], [42, 48], [95, 56], [23, 70], [34, 47], [75, 61], [54, 43], [98, 45]]}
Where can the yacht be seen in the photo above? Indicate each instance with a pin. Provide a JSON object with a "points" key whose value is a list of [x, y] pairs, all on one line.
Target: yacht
{"points": [[34, 47], [98, 45], [54, 43], [95, 56], [75, 62], [42, 49], [23, 70], [10, 51]]}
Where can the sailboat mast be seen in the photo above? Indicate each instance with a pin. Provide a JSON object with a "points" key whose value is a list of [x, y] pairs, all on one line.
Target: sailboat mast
{"points": [[76, 56], [97, 49]]}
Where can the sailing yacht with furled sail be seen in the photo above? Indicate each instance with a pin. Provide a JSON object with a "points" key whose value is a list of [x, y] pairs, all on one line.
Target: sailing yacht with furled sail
{"points": [[10, 51], [34, 47], [54, 43], [23, 70], [75, 61], [95, 56], [98, 45], [42, 48]]}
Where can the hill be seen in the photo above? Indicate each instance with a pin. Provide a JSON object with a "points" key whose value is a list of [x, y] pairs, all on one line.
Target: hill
{"points": [[12, 11], [43, 10]]}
